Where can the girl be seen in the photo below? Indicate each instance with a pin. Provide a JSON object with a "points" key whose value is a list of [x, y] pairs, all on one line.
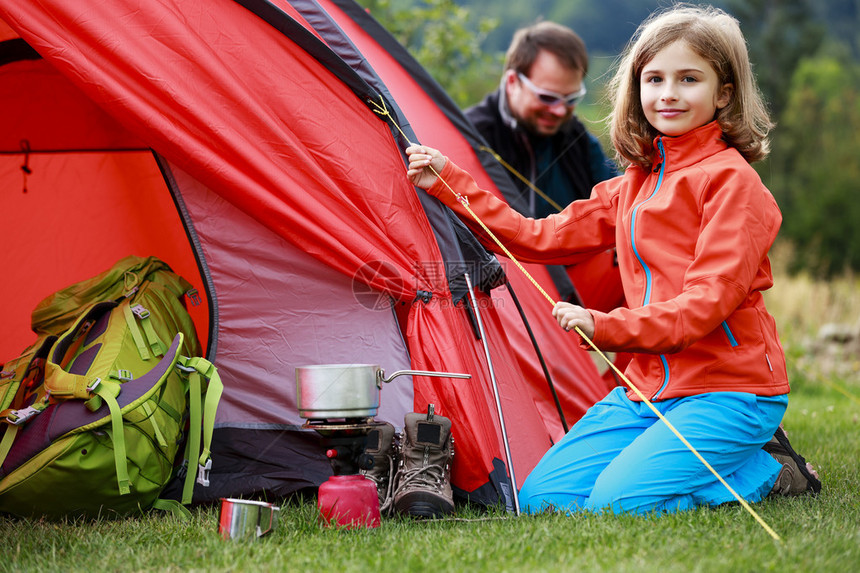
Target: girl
{"points": [[692, 224]]}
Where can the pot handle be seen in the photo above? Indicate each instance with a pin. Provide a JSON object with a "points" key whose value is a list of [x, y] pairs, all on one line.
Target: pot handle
{"points": [[383, 378]]}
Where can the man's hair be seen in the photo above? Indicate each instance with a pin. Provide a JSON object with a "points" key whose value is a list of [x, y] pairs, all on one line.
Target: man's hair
{"points": [[559, 40], [714, 36]]}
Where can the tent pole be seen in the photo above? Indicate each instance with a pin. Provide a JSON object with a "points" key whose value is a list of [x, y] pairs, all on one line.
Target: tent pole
{"points": [[496, 395]]}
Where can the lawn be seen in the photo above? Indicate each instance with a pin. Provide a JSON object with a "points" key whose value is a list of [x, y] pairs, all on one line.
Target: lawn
{"points": [[820, 534], [817, 534]]}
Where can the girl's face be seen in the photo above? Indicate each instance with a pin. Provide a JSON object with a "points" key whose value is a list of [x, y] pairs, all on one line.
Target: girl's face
{"points": [[679, 90]]}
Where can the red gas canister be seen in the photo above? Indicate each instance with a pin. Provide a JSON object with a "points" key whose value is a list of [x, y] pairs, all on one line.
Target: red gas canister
{"points": [[349, 501]]}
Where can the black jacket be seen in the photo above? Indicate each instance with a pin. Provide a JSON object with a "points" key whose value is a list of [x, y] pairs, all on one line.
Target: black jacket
{"points": [[580, 155]]}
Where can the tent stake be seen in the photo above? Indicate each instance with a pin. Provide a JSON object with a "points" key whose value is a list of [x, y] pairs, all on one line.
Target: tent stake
{"points": [[495, 395]]}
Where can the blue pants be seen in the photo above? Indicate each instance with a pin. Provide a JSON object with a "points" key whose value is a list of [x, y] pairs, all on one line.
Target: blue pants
{"points": [[620, 456]]}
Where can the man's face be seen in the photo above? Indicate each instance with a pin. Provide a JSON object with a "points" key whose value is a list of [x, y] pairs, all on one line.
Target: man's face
{"points": [[547, 74]]}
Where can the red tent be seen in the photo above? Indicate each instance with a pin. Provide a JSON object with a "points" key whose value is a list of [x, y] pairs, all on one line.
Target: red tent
{"points": [[237, 142]]}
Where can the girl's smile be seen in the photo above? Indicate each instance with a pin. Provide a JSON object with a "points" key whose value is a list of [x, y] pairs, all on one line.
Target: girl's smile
{"points": [[679, 90]]}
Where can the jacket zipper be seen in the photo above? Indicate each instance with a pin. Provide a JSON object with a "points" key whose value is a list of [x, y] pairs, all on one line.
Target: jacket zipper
{"points": [[648, 277], [732, 340]]}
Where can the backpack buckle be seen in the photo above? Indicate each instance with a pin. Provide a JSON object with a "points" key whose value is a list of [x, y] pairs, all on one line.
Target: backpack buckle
{"points": [[182, 469], [194, 296], [123, 375], [130, 293], [19, 417], [203, 473], [140, 311]]}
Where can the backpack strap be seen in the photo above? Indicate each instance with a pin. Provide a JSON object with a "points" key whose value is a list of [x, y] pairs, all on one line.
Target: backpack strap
{"points": [[30, 389], [143, 334], [205, 388], [7, 441], [172, 506], [108, 392], [63, 385]]}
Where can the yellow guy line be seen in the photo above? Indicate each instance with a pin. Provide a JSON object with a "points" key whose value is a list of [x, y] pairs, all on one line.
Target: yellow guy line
{"points": [[465, 202], [840, 389], [521, 177]]}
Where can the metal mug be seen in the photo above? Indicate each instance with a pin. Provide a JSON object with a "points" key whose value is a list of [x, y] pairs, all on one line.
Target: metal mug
{"points": [[246, 519]]}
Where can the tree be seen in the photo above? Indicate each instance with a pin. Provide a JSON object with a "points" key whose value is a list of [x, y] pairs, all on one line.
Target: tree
{"points": [[779, 34], [446, 39], [814, 167]]}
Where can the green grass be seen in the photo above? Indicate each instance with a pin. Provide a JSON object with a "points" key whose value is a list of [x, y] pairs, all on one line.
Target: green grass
{"points": [[820, 534]]}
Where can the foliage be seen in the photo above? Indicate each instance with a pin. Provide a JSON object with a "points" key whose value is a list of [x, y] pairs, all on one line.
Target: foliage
{"points": [[780, 33], [446, 39], [606, 26], [814, 166], [843, 23]]}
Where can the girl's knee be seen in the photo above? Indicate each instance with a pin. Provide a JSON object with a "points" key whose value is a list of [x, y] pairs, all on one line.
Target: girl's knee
{"points": [[531, 500], [534, 499], [620, 501]]}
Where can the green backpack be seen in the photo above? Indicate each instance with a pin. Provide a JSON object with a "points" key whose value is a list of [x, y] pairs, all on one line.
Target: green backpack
{"points": [[97, 410]]}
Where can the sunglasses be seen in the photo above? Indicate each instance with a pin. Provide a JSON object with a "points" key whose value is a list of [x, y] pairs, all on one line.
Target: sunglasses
{"points": [[549, 98]]}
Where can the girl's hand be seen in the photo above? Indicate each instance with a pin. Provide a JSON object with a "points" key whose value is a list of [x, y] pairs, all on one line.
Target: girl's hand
{"points": [[423, 161], [570, 316]]}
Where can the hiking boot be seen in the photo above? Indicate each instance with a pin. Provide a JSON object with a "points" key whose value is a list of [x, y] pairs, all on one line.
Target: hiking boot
{"points": [[382, 446], [423, 481], [796, 477]]}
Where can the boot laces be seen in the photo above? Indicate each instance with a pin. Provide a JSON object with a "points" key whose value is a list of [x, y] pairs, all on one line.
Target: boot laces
{"points": [[389, 485], [430, 476]]}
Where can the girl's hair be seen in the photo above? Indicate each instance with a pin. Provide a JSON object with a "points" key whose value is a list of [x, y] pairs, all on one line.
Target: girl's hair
{"points": [[714, 36]]}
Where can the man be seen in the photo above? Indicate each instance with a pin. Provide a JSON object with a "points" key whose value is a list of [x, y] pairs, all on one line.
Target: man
{"points": [[529, 120], [529, 123]]}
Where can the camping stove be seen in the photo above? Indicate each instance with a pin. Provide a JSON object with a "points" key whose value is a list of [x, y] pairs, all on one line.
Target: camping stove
{"points": [[339, 402], [347, 498], [345, 441]]}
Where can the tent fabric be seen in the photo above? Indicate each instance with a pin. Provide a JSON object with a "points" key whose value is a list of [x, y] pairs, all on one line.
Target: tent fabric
{"points": [[485, 271], [246, 264], [276, 307], [229, 139], [78, 211], [439, 123]]}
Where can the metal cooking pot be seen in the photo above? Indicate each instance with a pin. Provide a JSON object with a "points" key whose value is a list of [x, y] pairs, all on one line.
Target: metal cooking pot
{"points": [[331, 391]]}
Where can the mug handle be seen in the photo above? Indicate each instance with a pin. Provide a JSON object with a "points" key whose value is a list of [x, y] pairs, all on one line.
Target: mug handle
{"points": [[271, 512]]}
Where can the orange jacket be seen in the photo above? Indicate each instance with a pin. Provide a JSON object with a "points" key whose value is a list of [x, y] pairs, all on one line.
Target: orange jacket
{"points": [[692, 236]]}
